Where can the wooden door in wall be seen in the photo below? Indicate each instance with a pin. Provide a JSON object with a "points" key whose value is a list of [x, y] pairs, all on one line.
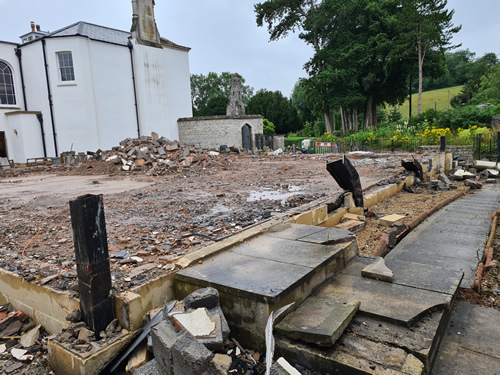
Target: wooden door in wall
{"points": [[3, 145], [246, 134]]}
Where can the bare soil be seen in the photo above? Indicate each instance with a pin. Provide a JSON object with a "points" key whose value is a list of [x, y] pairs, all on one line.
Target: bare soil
{"points": [[410, 205]]}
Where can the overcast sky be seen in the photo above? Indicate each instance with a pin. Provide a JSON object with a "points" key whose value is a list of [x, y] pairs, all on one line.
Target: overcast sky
{"points": [[223, 34]]}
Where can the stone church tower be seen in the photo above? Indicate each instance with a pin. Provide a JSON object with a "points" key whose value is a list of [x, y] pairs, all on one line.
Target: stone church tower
{"points": [[236, 106]]}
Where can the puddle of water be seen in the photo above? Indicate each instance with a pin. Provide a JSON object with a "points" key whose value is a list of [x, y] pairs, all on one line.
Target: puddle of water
{"points": [[273, 194]]}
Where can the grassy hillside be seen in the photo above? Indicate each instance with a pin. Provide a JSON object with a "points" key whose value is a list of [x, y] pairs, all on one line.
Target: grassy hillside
{"points": [[437, 98]]}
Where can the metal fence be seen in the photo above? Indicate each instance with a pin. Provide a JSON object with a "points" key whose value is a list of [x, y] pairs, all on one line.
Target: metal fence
{"points": [[487, 146]]}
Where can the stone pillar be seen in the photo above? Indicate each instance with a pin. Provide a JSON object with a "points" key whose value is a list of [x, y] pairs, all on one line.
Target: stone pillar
{"points": [[92, 261]]}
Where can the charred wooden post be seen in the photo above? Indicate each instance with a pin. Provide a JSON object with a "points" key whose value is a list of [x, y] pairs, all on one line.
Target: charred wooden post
{"points": [[442, 147], [92, 261], [348, 178]]}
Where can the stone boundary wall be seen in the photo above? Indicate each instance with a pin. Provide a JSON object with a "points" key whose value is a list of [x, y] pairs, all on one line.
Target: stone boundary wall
{"points": [[495, 123], [466, 152], [212, 132]]}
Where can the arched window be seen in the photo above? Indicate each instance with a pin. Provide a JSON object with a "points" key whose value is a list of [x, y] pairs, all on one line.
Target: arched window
{"points": [[7, 94]]}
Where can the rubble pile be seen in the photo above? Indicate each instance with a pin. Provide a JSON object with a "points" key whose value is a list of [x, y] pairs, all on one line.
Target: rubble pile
{"points": [[193, 338], [78, 338], [156, 156], [23, 344]]}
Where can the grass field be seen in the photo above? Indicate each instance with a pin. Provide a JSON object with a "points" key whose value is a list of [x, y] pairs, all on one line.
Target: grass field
{"points": [[430, 99]]}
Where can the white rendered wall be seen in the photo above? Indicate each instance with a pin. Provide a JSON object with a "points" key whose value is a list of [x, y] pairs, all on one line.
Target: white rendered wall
{"points": [[163, 89], [23, 137], [8, 56]]}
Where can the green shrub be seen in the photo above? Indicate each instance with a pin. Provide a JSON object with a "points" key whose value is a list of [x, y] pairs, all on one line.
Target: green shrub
{"points": [[268, 127]]}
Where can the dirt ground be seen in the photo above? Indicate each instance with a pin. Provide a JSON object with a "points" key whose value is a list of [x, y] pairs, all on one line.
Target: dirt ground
{"points": [[152, 221]]}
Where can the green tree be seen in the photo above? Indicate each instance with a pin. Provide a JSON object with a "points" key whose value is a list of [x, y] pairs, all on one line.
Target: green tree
{"points": [[285, 16], [268, 127], [430, 29], [276, 108], [209, 92], [363, 60], [477, 69], [489, 90]]}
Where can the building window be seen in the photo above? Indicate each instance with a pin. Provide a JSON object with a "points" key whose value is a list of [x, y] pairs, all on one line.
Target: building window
{"points": [[7, 94], [66, 66]]}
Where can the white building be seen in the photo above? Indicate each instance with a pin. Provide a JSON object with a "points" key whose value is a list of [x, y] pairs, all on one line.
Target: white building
{"points": [[87, 87]]}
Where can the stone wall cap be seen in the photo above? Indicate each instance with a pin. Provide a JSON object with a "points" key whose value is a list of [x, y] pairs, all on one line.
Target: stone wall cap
{"points": [[211, 118]]}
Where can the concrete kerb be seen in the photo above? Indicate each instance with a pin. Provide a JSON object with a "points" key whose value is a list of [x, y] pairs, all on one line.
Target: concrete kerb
{"points": [[488, 253]]}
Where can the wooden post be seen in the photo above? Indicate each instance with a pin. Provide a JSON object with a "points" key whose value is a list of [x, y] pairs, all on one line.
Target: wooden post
{"points": [[442, 147], [92, 261]]}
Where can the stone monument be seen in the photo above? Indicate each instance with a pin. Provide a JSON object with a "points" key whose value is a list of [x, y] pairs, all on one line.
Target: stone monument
{"points": [[236, 106]]}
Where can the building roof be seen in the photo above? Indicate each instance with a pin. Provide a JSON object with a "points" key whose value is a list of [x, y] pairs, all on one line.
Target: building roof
{"points": [[104, 34]]}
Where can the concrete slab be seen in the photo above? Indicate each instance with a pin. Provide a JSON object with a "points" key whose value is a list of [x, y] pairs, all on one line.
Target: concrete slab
{"points": [[243, 275], [293, 231], [330, 236], [388, 220], [287, 251], [352, 225], [416, 275], [392, 302], [378, 271], [319, 320]]}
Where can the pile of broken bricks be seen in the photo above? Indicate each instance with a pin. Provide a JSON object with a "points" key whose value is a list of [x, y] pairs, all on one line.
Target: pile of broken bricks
{"points": [[193, 339], [21, 341], [154, 155]]}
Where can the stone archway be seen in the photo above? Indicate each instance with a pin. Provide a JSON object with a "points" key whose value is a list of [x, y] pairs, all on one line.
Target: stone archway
{"points": [[246, 137]]}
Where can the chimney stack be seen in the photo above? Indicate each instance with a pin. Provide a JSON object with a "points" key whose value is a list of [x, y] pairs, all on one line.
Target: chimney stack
{"points": [[32, 26], [37, 27]]}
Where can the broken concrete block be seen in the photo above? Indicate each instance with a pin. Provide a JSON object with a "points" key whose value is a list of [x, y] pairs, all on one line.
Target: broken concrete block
{"points": [[353, 217], [206, 297], [356, 211], [222, 363], [444, 179], [352, 225], [150, 368], [483, 164], [164, 336], [461, 174], [389, 220], [378, 271], [282, 367], [492, 172], [349, 201], [197, 322], [319, 320], [28, 339], [190, 357], [139, 357], [473, 184], [490, 181]]}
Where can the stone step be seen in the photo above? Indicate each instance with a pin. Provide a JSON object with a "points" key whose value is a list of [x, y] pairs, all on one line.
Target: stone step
{"points": [[267, 272], [319, 320]]}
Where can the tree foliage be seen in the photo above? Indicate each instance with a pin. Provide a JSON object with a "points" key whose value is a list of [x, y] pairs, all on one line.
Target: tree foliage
{"points": [[276, 108], [210, 93]]}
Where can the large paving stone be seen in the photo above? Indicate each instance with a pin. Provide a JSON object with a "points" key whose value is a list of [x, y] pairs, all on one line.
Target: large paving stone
{"points": [[293, 231], [330, 236], [319, 320], [432, 278], [397, 303], [288, 251]]}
